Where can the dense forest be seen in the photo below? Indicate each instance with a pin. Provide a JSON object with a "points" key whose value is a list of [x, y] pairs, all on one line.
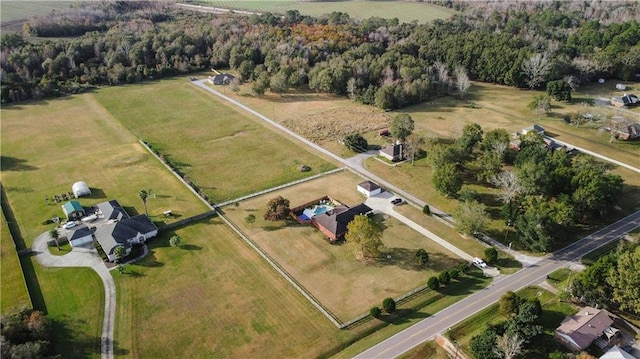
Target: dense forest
{"points": [[374, 61]]}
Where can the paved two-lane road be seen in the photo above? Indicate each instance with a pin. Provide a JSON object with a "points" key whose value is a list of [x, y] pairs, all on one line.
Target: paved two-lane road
{"points": [[438, 323]]}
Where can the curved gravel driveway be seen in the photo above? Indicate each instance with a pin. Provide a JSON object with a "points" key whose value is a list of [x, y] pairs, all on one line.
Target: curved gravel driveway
{"points": [[84, 257]]}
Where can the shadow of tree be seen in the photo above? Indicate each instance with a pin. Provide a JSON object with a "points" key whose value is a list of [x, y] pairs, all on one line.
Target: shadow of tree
{"points": [[8, 163], [70, 341], [190, 247]]}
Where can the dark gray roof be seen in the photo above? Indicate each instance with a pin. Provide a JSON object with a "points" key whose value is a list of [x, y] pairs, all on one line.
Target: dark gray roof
{"points": [[110, 235], [223, 79], [112, 210], [368, 185], [80, 232], [336, 220]]}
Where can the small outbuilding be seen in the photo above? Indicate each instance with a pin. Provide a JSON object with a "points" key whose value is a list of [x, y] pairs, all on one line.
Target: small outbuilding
{"points": [[534, 128], [73, 210], [221, 79], [81, 189], [369, 188]]}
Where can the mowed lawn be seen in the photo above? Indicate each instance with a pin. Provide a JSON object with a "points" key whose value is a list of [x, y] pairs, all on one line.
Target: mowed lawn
{"points": [[73, 298], [49, 145], [223, 151], [14, 289], [405, 11], [216, 298], [331, 273]]}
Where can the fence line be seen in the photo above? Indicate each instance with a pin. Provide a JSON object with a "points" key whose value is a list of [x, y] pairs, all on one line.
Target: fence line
{"points": [[316, 303], [186, 221], [176, 175], [276, 188]]}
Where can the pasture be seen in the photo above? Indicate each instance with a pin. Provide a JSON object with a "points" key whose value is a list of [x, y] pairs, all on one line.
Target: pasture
{"points": [[405, 11], [331, 273], [49, 145], [225, 152], [14, 289], [15, 13], [214, 297]]}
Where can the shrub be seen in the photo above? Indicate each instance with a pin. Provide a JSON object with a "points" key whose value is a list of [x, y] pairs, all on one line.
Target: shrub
{"points": [[375, 312], [389, 305], [433, 283], [463, 267], [426, 210], [444, 277], [356, 143], [250, 218], [422, 257], [491, 255], [454, 273]]}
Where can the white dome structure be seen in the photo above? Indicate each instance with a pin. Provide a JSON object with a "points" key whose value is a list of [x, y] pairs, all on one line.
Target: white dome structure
{"points": [[80, 189]]}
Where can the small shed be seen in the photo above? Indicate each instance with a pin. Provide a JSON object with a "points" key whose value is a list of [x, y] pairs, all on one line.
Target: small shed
{"points": [[81, 236], [73, 210], [81, 189], [369, 188], [534, 128]]}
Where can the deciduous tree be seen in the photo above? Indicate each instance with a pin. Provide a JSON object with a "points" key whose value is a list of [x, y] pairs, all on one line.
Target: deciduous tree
{"points": [[536, 69], [559, 90], [364, 237], [463, 83], [277, 209], [491, 255], [389, 305], [540, 105], [447, 179], [625, 280], [422, 257], [508, 347], [411, 147], [433, 283], [402, 126], [509, 304], [471, 217]]}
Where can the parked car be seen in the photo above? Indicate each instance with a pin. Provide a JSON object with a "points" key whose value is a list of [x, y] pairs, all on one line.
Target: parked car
{"points": [[69, 225], [396, 201], [479, 263]]}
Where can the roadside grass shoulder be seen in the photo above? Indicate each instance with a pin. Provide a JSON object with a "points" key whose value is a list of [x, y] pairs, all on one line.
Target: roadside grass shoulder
{"points": [[223, 151], [14, 289], [404, 11], [423, 305], [428, 350], [593, 256]]}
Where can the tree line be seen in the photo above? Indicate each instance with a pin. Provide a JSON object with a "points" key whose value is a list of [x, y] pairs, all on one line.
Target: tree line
{"points": [[545, 192], [374, 61]]}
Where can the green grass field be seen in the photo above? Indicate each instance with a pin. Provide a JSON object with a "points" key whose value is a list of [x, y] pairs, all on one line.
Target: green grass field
{"points": [[74, 299], [225, 152], [14, 289], [428, 350], [49, 145], [331, 273], [14, 12], [215, 297], [405, 11]]}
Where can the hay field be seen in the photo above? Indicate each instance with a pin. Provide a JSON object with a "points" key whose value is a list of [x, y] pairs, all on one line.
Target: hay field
{"points": [[49, 145], [14, 289], [405, 11], [216, 298], [331, 273], [15, 13], [224, 151]]}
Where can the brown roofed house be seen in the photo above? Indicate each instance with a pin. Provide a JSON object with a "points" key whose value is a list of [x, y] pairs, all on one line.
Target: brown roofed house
{"points": [[334, 223], [578, 331]]}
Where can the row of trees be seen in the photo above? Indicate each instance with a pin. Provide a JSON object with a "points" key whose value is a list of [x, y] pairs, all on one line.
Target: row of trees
{"points": [[374, 61]]}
